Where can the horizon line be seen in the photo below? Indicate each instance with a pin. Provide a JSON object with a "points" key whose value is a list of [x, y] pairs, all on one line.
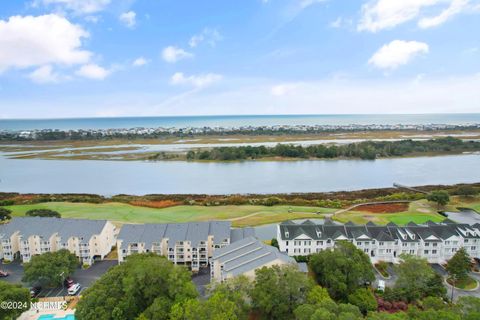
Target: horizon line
{"points": [[242, 115]]}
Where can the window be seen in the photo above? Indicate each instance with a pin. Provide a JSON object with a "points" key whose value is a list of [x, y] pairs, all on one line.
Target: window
{"points": [[425, 251], [286, 242], [427, 244], [434, 244], [434, 251], [404, 244], [359, 243], [287, 234], [380, 243]]}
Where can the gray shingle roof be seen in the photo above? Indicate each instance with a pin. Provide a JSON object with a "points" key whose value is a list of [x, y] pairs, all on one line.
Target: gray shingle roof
{"points": [[241, 233], [391, 232], [247, 255], [175, 232], [46, 227]]}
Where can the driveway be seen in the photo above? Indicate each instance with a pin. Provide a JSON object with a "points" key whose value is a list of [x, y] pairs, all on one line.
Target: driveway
{"points": [[83, 276], [201, 280], [388, 282]]}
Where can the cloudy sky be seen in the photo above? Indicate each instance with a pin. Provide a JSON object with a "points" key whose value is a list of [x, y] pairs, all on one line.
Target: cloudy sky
{"points": [[82, 58]]}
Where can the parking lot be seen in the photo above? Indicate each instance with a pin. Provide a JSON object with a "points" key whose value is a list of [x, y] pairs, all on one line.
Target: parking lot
{"points": [[83, 276]]}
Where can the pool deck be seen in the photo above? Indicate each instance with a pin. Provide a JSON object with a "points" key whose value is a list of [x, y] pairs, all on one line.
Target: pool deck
{"points": [[34, 315]]}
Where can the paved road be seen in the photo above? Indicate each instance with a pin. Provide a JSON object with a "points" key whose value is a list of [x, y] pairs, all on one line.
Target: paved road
{"points": [[388, 282], [201, 280], [83, 276]]}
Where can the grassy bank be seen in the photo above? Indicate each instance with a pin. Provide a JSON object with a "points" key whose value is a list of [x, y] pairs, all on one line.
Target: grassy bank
{"points": [[418, 211], [244, 215]]}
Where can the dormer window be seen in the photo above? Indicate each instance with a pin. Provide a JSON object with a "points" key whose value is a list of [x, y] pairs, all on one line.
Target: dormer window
{"points": [[287, 234], [319, 233]]}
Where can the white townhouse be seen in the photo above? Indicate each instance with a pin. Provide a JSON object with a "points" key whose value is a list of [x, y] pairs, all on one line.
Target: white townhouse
{"points": [[437, 242], [192, 244], [28, 236]]}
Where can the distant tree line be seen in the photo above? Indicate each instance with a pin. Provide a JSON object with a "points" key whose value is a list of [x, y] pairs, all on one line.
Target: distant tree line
{"points": [[109, 134], [368, 150]]}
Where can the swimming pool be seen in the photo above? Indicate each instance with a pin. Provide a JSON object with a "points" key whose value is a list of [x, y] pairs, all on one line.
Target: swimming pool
{"points": [[52, 317]]}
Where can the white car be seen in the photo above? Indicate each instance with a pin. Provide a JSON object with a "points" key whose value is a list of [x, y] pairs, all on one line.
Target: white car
{"points": [[74, 289], [381, 285]]}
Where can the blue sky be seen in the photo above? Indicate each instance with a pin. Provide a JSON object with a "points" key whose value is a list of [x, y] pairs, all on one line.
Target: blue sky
{"points": [[82, 58]]}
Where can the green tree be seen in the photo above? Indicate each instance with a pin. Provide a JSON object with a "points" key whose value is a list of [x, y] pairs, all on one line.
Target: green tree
{"points": [[414, 276], [435, 287], [364, 299], [459, 265], [469, 307], [43, 213], [5, 214], [274, 243], [13, 293], [440, 197], [216, 307], [277, 291], [143, 283], [342, 270], [50, 268], [467, 191]]}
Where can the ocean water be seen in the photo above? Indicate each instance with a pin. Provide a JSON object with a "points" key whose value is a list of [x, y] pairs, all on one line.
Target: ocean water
{"points": [[236, 121]]}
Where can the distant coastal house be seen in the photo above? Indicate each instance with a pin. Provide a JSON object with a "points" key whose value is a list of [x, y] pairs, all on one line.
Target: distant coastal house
{"points": [[437, 242], [28, 236], [243, 258], [192, 244]]}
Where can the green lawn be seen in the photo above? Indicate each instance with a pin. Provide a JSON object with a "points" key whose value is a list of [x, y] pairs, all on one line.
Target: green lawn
{"points": [[124, 213], [419, 212], [467, 284]]}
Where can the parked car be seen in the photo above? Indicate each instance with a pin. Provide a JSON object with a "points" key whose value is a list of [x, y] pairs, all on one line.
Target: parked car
{"points": [[3, 273], [381, 285], [34, 291], [69, 282], [74, 289]]}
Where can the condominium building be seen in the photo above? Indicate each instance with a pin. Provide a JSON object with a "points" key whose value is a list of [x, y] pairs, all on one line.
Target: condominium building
{"points": [[191, 243], [28, 236], [437, 242], [243, 258]]}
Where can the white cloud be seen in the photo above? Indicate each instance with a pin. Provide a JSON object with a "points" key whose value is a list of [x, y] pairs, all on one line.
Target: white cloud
{"points": [[208, 35], [283, 89], [77, 6], [397, 53], [386, 14], [93, 71], [44, 74], [337, 23], [173, 54], [197, 81], [37, 41], [141, 61], [307, 3], [128, 19], [455, 8]]}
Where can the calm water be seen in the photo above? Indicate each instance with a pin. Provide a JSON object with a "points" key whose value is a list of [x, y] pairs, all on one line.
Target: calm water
{"points": [[235, 121], [136, 177]]}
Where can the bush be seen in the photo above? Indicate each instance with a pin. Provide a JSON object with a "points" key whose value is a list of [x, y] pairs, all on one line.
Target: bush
{"points": [[43, 213]]}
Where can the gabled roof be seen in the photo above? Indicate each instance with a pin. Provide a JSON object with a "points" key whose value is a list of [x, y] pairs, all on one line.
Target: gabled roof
{"points": [[412, 232], [247, 255], [175, 232], [47, 227]]}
